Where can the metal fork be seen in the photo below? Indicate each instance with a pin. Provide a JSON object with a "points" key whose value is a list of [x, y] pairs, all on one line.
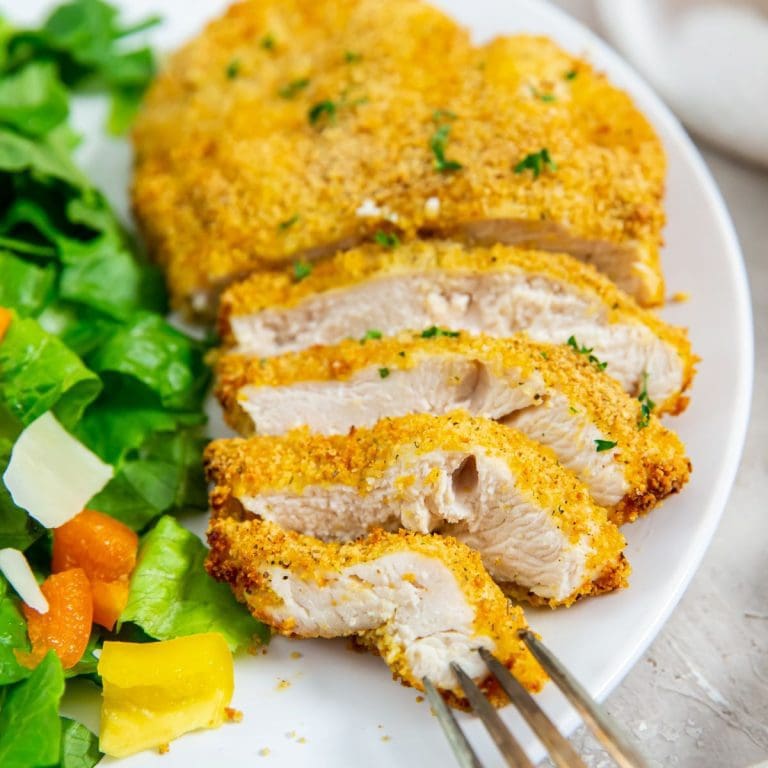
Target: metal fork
{"points": [[560, 749]]}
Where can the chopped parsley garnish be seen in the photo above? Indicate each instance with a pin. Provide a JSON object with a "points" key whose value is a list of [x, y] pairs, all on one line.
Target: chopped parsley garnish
{"points": [[267, 42], [301, 270], [323, 109], [431, 333], [571, 74], [401, 353], [443, 114], [545, 355], [387, 239], [437, 145], [288, 223], [583, 350], [383, 372], [371, 333], [605, 445], [328, 109], [572, 409], [646, 404], [545, 97], [233, 69], [290, 90], [536, 162], [351, 57]]}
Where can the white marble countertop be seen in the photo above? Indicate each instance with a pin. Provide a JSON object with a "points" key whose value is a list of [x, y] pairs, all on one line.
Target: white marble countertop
{"points": [[699, 695]]}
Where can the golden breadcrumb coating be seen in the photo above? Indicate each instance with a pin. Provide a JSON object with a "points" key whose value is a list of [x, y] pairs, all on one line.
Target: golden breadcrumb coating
{"points": [[233, 173], [293, 462], [280, 289], [653, 457], [243, 551]]}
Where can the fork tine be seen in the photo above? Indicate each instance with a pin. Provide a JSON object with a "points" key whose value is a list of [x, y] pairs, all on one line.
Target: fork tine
{"points": [[513, 753], [560, 750], [595, 717], [461, 747]]}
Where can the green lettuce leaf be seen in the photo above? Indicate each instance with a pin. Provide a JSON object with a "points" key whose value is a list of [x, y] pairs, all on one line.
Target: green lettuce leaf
{"points": [[24, 286], [13, 636], [79, 747], [166, 475], [88, 662], [124, 416], [33, 100], [80, 328], [86, 41], [36, 217], [30, 728], [172, 595], [98, 271], [166, 361], [17, 528], [38, 373], [103, 275], [49, 155]]}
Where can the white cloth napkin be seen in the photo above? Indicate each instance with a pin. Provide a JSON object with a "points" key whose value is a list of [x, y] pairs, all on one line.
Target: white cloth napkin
{"points": [[707, 58]]}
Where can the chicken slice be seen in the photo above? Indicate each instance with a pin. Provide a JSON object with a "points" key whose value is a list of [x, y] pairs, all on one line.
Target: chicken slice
{"points": [[420, 601], [499, 291], [291, 129], [553, 394], [490, 486]]}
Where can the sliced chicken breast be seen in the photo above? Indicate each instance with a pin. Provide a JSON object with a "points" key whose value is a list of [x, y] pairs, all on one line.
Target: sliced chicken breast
{"points": [[498, 291], [421, 602], [491, 487], [292, 129], [553, 394]]}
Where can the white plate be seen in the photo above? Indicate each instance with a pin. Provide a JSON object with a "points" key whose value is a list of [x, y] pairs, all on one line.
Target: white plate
{"points": [[340, 708]]}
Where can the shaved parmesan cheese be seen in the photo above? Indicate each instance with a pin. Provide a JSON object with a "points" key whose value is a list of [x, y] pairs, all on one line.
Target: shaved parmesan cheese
{"points": [[16, 569], [52, 475]]}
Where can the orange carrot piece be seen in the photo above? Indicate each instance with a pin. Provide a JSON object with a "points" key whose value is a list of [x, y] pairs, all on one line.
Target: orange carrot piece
{"points": [[103, 547], [67, 626], [109, 601], [5, 321]]}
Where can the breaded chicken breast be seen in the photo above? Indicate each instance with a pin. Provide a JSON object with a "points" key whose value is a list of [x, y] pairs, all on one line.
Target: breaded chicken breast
{"points": [[498, 291], [553, 394], [421, 602], [293, 129], [491, 487]]}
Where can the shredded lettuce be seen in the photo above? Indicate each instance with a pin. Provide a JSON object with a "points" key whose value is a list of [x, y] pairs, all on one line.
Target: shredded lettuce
{"points": [[172, 595]]}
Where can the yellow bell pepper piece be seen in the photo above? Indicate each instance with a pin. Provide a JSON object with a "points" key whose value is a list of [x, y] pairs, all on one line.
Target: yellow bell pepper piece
{"points": [[155, 692]]}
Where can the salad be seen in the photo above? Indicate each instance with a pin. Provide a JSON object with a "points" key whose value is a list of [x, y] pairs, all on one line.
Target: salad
{"points": [[101, 424]]}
